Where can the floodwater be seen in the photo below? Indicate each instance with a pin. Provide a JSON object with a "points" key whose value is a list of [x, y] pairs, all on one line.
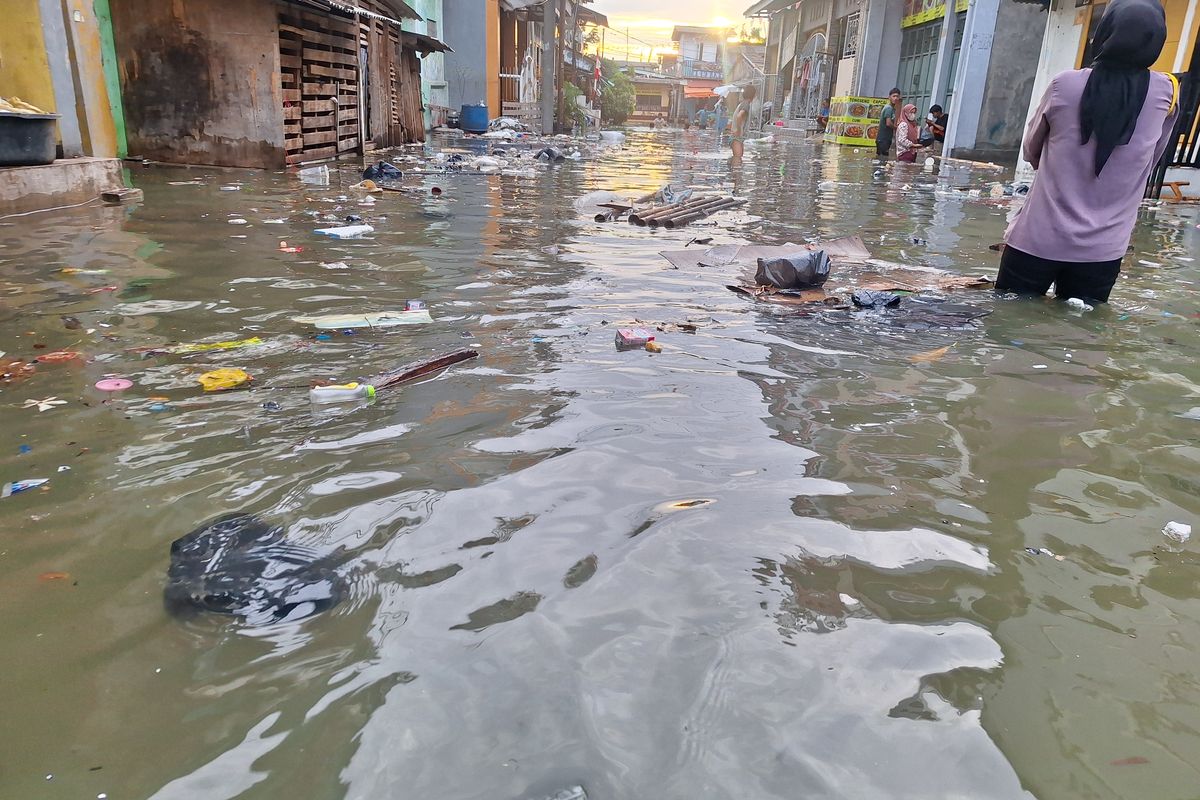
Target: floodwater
{"points": [[537, 599]]}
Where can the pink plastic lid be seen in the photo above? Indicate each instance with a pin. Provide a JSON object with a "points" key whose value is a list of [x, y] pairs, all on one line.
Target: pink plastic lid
{"points": [[113, 384]]}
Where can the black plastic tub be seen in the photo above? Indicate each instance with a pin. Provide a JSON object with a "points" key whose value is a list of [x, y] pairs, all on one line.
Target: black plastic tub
{"points": [[26, 139]]}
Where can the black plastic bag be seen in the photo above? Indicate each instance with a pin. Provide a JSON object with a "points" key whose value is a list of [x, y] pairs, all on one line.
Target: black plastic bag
{"points": [[383, 171], [800, 271], [550, 154], [869, 298]]}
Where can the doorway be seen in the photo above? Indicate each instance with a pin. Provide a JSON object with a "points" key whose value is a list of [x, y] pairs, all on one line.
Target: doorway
{"points": [[918, 59]]}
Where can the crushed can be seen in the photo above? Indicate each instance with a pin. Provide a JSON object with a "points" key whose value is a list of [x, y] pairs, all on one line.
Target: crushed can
{"points": [[631, 338]]}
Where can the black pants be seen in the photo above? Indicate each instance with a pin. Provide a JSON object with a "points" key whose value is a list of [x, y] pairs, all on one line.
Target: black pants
{"points": [[1090, 281], [882, 148]]}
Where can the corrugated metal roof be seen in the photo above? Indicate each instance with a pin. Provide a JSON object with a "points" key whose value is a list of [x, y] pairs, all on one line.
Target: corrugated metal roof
{"points": [[423, 43], [765, 7]]}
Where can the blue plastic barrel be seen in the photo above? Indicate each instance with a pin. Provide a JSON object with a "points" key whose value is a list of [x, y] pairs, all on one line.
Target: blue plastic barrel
{"points": [[474, 119]]}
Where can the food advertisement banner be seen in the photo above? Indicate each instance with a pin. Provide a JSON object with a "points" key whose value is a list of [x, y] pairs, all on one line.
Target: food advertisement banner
{"points": [[854, 120]]}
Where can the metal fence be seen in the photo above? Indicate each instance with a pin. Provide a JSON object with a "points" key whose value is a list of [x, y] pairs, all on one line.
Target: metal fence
{"points": [[1185, 149]]}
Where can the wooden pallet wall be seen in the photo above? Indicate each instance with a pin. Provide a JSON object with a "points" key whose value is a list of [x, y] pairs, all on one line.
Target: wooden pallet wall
{"points": [[318, 59], [412, 109]]}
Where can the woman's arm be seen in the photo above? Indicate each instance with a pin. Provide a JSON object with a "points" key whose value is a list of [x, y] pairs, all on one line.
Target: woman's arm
{"points": [[903, 137], [1039, 129]]}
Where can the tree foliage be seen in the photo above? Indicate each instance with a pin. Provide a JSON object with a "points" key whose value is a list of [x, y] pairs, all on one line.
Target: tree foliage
{"points": [[574, 112], [616, 100]]}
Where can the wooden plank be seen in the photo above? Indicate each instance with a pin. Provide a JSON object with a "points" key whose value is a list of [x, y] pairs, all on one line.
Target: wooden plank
{"points": [[293, 143], [291, 112], [348, 130], [320, 137], [320, 89], [329, 56], [317, 122], [328, 72], [311, 106], [320, 152], [291, 95], [291, 128], [322, 38], [347, 113], [347, 145], [289, 62]]}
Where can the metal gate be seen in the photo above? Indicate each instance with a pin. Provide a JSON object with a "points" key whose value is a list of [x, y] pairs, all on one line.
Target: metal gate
{"points": [[811, 79], [1186, 149], [918, 59], [960, 25]]}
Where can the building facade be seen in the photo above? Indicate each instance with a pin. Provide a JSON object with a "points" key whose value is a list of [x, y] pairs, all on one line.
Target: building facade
{"points": [[59, 56], [502, 47], [434, 89], [268, 83], [975, 58]]}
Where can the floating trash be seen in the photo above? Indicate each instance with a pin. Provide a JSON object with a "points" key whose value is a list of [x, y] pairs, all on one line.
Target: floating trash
{"points": [[220, 380], [58, 357], [1177, 531], [113, 384], [44, 405], [16, 487]]}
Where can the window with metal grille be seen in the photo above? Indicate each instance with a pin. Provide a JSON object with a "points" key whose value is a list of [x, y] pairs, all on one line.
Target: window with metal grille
{"points": [[850, 40]]}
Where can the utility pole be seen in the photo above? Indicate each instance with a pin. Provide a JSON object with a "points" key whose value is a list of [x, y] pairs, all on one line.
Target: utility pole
{"points": [[574, 56], [627, 58], [548, 66], [558, 65]]}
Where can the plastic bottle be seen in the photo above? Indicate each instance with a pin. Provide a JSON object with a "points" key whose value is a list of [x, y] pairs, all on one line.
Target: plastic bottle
{"points": [[342, 393]]}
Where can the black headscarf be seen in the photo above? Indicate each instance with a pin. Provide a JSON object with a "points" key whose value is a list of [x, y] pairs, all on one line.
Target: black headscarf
{"points": [[1128, 40]]}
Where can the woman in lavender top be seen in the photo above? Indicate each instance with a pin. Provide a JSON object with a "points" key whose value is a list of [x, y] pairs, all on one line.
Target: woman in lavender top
{"points": [[1094, 139]]}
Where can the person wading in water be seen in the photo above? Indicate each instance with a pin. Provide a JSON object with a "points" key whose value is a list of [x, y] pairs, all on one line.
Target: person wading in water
{"points": [[1093, 141], [741, 122]]}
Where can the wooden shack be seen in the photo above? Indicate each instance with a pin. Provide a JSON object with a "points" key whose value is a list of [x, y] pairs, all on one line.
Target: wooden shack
{"points": [[268, 83]]}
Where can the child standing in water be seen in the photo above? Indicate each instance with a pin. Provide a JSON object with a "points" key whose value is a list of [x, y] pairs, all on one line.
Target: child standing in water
{"points": [[741, 122]]}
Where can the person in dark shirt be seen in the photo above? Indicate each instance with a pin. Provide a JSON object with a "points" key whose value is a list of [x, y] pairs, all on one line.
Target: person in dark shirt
{"points": [[935, 124], [887, 125]]}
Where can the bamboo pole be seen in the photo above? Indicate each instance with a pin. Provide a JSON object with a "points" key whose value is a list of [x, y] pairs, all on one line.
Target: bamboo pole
{"points": [[713, 202], [684, 219], [640, 218]]}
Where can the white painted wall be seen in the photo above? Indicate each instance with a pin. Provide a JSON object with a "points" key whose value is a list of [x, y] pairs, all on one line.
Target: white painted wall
{"points": [[1060, 49], [879, 48], [974, 61]]}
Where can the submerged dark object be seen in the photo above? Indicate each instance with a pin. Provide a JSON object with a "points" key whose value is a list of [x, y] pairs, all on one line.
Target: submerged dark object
{"points": [[805, 270], [382, 171], [240, 566], [870, 298], [917, 313], [550, 154]]}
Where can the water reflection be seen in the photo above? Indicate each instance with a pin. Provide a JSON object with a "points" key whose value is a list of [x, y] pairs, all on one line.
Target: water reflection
{"points": [[784, 556]]}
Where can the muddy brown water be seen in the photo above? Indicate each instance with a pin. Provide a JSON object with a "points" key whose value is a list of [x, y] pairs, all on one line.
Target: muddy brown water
{"points": [[534, 602]]}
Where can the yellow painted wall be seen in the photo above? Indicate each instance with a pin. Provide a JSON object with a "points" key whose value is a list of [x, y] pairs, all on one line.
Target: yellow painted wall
{"points": [[1188, 37], [1176, 9], [1176, 14], [493, 57], [24, 70], [95, 114]]}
